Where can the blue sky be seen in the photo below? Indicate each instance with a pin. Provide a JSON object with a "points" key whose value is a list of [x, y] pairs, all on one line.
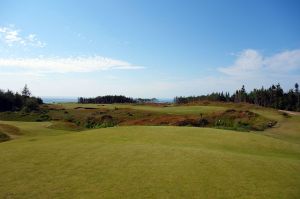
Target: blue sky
{"points": [[148, 48]]}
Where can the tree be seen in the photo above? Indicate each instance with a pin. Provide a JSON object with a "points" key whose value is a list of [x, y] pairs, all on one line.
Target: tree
{"points": [[19, 101], [31, 104], [108, 99], [298, 96], [6, 100], [25, 91], [279, 97], [274, 97], [243, 94], [10, 101]]}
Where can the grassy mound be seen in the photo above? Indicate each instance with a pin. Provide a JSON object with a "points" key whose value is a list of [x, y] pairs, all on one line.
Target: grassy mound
{"points": [[242, 120], [230, 119], [10, 129], [68, 126]]}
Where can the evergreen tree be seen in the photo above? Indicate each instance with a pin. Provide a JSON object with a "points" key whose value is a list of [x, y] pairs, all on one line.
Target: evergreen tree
{"points": [[274, 97], [25, 91], [298, 96]]}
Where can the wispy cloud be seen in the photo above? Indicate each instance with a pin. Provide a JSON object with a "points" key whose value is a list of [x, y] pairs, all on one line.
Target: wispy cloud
{"points": [[12, 36], [65, 65], [251, 63]]}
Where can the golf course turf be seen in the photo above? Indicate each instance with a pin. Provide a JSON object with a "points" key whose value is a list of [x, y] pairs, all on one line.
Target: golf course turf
{"points": [[151, 162]]}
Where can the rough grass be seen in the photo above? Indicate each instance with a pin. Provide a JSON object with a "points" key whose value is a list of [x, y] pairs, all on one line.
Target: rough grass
{"points": [[149, 162], [22, 116], [65, 126]]}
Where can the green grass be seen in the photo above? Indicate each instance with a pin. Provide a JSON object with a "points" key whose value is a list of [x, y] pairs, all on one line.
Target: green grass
{"points": [[47, 160], [147, 162]]}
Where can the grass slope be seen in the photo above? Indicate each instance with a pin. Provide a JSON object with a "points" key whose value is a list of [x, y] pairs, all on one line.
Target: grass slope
{"points": [[148, 162]]}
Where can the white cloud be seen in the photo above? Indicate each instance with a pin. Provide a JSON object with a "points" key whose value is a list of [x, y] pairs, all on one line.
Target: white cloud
{"points": [[252, 63], [11, 36], [65, 65], [285, 61]]}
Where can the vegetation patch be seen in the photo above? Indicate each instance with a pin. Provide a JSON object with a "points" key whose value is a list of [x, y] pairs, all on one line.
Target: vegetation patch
{"points": [[4, 137], [99, 121], [230, 119], [242, 120], [36, 116]]}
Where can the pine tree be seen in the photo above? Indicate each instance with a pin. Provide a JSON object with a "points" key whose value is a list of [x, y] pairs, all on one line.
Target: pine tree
{"points": [[25, 91], [298, 96]]}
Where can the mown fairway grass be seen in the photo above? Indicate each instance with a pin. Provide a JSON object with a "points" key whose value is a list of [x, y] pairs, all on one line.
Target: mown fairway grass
{"points": [[151, 162]]}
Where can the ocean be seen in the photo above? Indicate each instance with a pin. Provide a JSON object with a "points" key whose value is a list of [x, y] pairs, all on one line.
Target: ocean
{"points": [[50, 100]]}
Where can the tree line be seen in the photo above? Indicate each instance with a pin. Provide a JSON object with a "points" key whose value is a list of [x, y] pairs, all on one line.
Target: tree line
{"points": [[10, 101], [110, 99], [273, 97]]}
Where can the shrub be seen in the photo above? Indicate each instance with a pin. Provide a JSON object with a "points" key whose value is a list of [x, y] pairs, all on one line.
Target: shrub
{"points": [[69, 118], [284, 114], [78, 123], [4, 137], [43, 117], [193, 122], [31, 104], [99, 121], [203, 122]]}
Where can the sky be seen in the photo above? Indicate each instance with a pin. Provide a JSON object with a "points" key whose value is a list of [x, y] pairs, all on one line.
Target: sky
{"points": [[142, 48]]}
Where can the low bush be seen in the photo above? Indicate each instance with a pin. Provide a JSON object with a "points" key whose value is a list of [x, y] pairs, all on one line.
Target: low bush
{"points": [[31, 104], [100, 121], [43, 117], [69, 118], [4, 137], [193, 122]]}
